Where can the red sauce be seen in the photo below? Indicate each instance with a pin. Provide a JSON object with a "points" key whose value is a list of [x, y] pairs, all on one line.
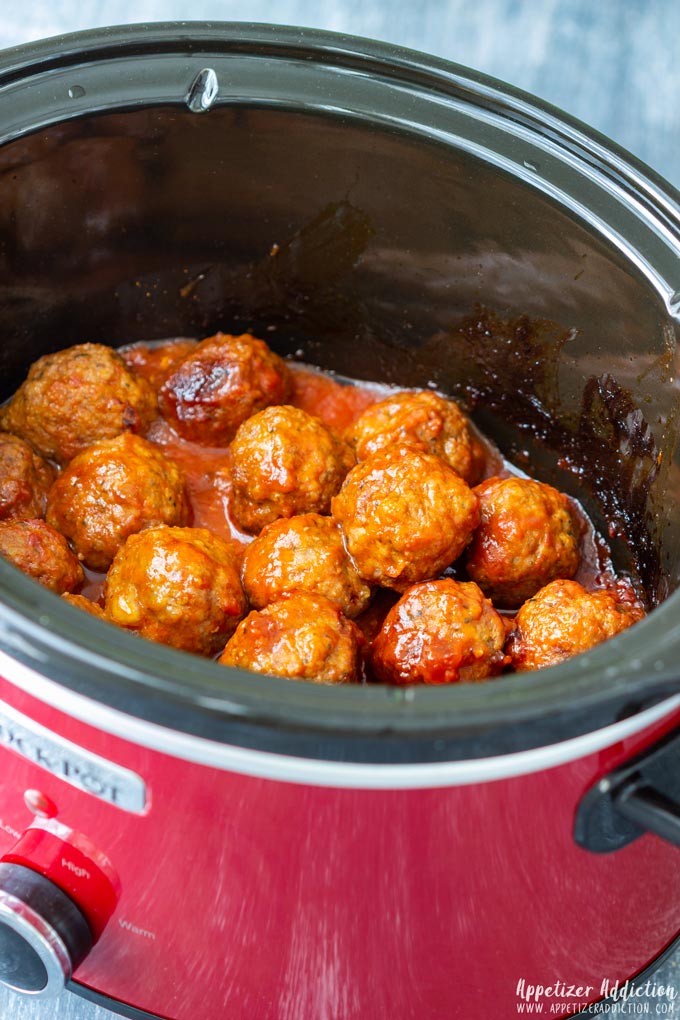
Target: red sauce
{"points": [[206, 471], [155, 362], [337, 404]]}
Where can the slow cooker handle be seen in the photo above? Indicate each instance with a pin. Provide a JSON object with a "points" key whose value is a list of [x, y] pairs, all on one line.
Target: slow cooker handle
{"points": [[641, 796]]}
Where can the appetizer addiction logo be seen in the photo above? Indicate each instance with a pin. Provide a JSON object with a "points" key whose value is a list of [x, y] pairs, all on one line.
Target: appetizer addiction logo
{"points": [[610, 998]]}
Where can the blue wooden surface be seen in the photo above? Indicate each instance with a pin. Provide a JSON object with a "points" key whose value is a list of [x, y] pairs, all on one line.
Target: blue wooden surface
{"points": [[613, 63]]}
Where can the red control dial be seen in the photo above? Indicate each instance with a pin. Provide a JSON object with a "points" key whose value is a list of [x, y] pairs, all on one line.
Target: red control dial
{"points": [[57, 892]]}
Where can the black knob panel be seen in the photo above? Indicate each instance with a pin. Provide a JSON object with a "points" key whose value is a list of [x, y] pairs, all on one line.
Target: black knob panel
{"points": [[43, 934]]}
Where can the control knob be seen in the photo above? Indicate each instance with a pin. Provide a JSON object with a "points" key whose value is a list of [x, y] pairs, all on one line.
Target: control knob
{"points": [[43, 933]]}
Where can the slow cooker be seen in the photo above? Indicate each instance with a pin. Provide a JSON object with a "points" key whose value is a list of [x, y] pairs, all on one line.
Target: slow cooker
{"points": [[185, 841]]}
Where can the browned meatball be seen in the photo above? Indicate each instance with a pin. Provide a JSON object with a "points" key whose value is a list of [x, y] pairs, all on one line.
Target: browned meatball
{"points": [[75, 397], [304, 553], [176, 586], [424, 420], [87, 605], [440, 632], [284, 462], [528, 536], [302, 636], [219, 384], [405, 516], [42, 553], [24, 480], [563, 619], [112, 490]]}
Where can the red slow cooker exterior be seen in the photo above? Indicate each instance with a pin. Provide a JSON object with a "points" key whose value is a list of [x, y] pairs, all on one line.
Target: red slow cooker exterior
{"points": [[256, 896], [273, 849]]}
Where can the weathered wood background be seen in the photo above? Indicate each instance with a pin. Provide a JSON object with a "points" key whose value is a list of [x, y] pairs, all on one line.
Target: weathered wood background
{"points": [[613, 63]]}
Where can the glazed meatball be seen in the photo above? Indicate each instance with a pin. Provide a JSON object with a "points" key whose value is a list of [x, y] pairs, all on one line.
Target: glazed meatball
{"points": [[42, 553], [76, 397], [85, 604], [304, 553], [405, 516], [563, 619], [424, 420], [112, 490], [284, 462], [440, 632], [528, 536], [24, 480], [177, 586], [223, 381], [302, 636]]}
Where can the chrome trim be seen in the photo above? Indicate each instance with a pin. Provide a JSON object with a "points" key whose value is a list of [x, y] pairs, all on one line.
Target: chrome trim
{"points": [[43, 939], [310, 772], [87, 771]]}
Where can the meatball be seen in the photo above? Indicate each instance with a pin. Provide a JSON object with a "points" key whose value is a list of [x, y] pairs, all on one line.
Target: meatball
{"points": [[440, 632], [114, 489], [76, 397], [528, 536], [87, 605], [405, 516], [302, 636], [24, 480], [563, 619], [304, 553], [177, 586], [284, 462], [223, 381], [425, 420], [42, 553]]}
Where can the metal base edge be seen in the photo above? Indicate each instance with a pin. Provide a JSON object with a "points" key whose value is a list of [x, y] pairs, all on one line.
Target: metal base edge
{"points": [[603, 1007], [600, 1008], [113, 1005]]}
